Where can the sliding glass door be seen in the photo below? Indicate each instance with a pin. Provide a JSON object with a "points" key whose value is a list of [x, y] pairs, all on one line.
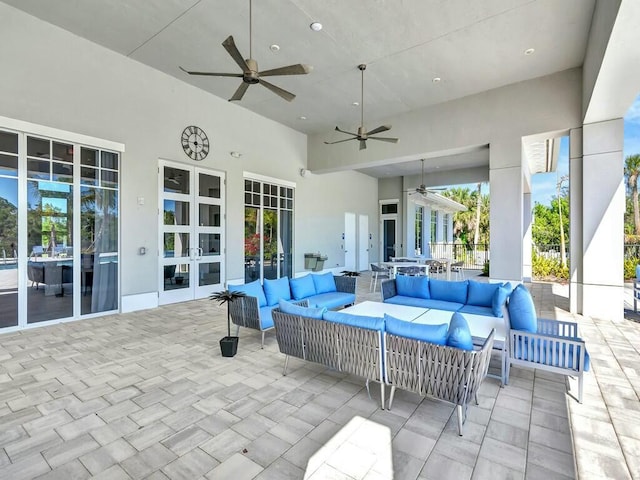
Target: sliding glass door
{"points": [[59, 230]]}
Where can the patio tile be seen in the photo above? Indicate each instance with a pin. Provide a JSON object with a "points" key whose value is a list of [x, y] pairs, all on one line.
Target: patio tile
{"points": [[191, 465], [502, 453], [551, 459], [70, 450], [105, 457], [439, 467], [27, 467], [280, 470], [413, 444], [518, 437], [302, 451], [69, 470], [186, 440], [224, 445], [536, 472], [237, 467], [267, 448], [148, 461], [488, 470]]}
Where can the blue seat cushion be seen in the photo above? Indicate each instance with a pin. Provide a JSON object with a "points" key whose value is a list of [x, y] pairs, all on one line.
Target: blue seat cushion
{"points": [[362, 321], [481, 294], [324, 283], [418, 331], [276, 289], [448, 291], [443, 305], [331, 300], [266, 317], [557, 357], [499, 299], [410, 286], [408, 301], [252, 289], [522, 312], [459, 335], [476, 310], [302, 287], [293, 309]]}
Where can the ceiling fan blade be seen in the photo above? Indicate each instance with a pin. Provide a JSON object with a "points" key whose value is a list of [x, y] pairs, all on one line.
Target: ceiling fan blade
{"points": [[340, 141], [288, 96], [239, 92], [385, 139], [297, 69], [212, 74], [381, 128], [230, 46], [363, 144], [344, 131]]}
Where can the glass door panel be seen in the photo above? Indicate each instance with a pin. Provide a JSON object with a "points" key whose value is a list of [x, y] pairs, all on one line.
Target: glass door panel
{"points": [[8, 238], [270, 235], [252, 245], [50, 241], [388, 238]]}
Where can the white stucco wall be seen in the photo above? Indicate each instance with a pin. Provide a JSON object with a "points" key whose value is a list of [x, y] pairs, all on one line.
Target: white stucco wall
{"points": [[51, 77]]}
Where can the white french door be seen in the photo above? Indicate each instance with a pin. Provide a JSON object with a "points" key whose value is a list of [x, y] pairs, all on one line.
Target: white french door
{"points": [[192, 226], [350, 241]]}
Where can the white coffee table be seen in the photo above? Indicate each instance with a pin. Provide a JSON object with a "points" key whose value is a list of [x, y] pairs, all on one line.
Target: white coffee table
{"points": [[378, 309]]}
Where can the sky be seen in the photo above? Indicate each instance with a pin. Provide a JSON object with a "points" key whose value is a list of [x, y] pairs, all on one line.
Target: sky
{"points": [[543, 186]]}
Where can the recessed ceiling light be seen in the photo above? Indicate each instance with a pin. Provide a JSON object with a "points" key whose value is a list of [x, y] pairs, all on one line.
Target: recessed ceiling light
{"points": [[356, 104], [302, 117], [235, 154], [274, 48], [316, 26], [529, 51], [436, 79]]}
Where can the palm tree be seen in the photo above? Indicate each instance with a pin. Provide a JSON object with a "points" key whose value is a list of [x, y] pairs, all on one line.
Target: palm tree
{"points": [[632, 170], [476, 236]]}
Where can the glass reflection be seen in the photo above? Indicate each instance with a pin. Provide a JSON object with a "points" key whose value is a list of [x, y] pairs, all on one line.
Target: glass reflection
{"points": [[176, 245], [50, 241], [176, 180], [176, 212], [176, 276], [209, 274], [209, 215], [210, 243], [8, 250], [209, 186]]}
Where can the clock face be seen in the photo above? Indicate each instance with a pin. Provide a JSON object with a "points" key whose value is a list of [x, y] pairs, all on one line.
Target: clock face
{"points": [[195, 143]]}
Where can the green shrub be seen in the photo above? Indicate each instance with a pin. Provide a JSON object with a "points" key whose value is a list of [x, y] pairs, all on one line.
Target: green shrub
{"points": [[630, 267], [545, 267], [485, 268]]}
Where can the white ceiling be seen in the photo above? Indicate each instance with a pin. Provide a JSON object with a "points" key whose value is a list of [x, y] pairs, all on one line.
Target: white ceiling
{"points": [[472, 46]]}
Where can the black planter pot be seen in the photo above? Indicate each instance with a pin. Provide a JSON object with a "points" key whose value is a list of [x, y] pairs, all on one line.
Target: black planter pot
{"points": [[229, 346]]}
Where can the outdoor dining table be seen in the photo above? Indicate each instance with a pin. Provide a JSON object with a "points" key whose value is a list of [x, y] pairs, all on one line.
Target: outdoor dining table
{"points": [[419, 262]]}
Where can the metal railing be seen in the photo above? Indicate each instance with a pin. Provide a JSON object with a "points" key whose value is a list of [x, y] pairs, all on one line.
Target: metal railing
{"points": [[473, 256]]}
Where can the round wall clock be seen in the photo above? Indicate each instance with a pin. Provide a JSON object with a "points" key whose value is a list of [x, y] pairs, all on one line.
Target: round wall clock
{"points": [[195, 143]]}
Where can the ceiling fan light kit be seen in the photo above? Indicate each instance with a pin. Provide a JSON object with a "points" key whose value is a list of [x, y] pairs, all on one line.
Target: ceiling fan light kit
{"points": [[251, 74], [362, 136]]}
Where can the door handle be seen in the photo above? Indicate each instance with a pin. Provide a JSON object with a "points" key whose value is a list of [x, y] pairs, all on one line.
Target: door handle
{"points": [[200, 251]]}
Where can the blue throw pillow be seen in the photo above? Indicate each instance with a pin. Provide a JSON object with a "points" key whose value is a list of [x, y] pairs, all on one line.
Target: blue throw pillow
{"points": [[448, 291], [252, 289], [362, 321], [293, 309], [409, 286], [324, 283], [302, 287], [276, 289], [499, 299], [418, 331], [459, 335], [481, 294], [522, 312]]}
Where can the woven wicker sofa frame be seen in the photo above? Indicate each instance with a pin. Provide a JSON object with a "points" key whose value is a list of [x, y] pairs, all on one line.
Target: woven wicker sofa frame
{"points": [[437, 371], [344, 348], [244, 311], [388, 288], [555, 347]]}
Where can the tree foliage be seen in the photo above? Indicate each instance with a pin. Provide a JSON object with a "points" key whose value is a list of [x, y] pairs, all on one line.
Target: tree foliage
{"points": [[464, 223], [546, 222]]}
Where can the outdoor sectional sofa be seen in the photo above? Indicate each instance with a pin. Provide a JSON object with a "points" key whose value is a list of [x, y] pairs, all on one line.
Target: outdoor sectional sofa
{"points": [[318, 290], [431, 360]]}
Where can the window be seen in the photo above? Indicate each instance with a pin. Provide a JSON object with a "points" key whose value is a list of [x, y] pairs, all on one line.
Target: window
{"points": [[388, 208], [445, 227], [418, 229], [434, 226], [268, 230]]}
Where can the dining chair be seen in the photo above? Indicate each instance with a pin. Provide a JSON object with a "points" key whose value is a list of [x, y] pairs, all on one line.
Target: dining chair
{"points": [[435, 268], [376, 273], [458, 269]]}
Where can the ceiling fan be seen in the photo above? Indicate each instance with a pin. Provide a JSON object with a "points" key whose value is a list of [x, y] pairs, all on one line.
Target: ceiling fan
{"points": [[422, 189], [363, 135], [250, 73]]}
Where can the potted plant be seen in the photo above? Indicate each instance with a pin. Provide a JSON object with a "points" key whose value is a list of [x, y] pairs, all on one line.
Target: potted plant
{"points": [[228, 344]]}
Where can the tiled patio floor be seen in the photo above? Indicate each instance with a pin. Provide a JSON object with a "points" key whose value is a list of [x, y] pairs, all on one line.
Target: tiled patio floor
{"points": [[147, 395]]}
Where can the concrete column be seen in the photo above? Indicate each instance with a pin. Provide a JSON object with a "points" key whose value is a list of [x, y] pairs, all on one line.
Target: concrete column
{"points": [[439, 229], [575, 220], [603, 204], [527, 267], [506, 217]]}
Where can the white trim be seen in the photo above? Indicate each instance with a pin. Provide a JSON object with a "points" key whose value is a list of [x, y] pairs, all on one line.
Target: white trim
{"points": [[35, 129], [140, 301], [264, 178]]}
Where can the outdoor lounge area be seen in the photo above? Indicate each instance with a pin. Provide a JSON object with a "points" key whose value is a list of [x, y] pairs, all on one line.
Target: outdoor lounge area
{"points": [[148, 395]]}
